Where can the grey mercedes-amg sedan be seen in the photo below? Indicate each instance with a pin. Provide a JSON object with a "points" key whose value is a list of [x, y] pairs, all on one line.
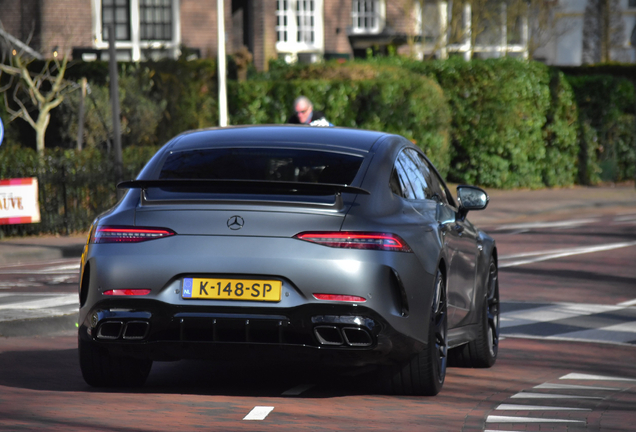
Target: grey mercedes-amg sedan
{"points": [[330, 244]]}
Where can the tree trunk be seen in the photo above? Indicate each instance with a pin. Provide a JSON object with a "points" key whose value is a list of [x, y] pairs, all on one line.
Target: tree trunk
{"points": [[40, 131]]}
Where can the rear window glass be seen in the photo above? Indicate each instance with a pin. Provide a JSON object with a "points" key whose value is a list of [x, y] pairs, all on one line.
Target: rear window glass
{"points": [[264, 164]]}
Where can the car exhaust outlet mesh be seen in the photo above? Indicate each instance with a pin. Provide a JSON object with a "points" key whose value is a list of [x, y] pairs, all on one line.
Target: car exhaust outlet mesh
{"points": [[110, 330], [136, 330], [357, 337], [328, 335]]}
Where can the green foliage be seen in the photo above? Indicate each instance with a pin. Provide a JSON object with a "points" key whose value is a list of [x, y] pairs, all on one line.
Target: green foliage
{"points": [[74, 186], [190, 91], [498, 111], [413, 106], [141, 111], [560, 131], [606, 104]]}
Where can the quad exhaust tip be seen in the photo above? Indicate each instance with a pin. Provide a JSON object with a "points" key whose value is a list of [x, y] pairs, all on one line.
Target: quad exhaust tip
{"points": [[350, 336], [131, 330]]}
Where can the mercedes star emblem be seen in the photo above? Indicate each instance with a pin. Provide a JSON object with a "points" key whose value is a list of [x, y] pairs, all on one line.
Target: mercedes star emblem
{"points": [[235, 223]]}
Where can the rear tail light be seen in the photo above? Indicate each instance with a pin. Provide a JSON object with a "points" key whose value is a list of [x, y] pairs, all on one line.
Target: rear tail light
{"points": [[339, 297], [126, 292], [127, 234], [357, 240]]}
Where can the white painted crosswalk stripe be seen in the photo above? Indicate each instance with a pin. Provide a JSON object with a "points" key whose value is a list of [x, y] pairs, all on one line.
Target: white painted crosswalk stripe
{"points": [[508, 419], [552, 386], [532, 395], [538, 256], [608, 324], [565, 414], [259, 413], [588, 377], [514, 407]]}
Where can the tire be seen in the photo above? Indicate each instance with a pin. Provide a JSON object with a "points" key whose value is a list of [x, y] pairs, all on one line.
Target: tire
{"points": [[101, 369], [482, 352], [424, 373]]}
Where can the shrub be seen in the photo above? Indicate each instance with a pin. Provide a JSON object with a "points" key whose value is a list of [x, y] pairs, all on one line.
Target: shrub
{"points": [[355, 95], [606, 104]]}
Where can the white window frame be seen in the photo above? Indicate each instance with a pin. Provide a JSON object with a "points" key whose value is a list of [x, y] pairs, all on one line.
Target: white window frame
{"points": [[135, 45], [379, 14], [292, 45]]}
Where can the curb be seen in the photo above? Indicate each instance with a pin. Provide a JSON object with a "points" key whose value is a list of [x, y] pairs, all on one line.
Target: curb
{"points": [[16, 253]]}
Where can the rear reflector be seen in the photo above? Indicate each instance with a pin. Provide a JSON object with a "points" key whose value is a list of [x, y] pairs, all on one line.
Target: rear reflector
{"points": [[357, 240], [127, 234], [127, 292], [339, 297]]}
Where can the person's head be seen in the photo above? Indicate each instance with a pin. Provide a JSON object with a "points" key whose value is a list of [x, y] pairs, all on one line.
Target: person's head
{"points": [[303, 108]]}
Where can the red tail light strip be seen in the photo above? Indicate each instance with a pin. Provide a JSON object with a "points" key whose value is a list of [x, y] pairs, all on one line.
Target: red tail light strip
{"points": [[126, 292], [125, 234], [357, 240], [339, 297]]}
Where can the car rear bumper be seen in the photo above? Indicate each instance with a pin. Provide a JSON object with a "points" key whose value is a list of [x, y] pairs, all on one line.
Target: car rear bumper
{"points": [[338, 334]]}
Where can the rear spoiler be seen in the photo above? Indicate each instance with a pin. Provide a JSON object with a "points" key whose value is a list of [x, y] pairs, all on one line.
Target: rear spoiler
{"points": [[243, 187]]}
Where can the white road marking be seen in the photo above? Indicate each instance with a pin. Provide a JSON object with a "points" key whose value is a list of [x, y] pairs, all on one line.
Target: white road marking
{"points": [[553, 312], [624, 332], [560, 253], [626, 218], [572, 387], [557, 224], [627, 303], [297, 390], [39, 303], [507, 419], [580, 376], [512, 407], [259, 413], [531, 395]]}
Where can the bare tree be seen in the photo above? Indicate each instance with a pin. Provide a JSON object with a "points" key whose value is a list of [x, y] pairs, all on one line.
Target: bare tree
{"points": [[547, 22], [535, 23], [603, 30], [33, 95]]}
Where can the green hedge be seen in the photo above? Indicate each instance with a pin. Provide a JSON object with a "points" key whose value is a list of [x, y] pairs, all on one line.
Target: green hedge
{"points": [[513, 122], [606, 105], [413, 107]]}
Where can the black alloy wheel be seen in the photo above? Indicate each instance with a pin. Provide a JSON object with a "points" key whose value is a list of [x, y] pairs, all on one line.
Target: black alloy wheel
{"points": [[425, 372]]}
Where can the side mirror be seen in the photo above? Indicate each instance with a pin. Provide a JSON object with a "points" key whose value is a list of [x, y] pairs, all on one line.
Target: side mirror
{"points": [[471, 198]]}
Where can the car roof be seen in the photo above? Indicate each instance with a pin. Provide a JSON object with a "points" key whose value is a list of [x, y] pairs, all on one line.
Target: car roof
{"points": [[316, 137]]}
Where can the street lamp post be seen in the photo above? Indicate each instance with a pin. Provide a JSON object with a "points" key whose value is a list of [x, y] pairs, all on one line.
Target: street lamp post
{"points": [[223, 118], [114, 99]]}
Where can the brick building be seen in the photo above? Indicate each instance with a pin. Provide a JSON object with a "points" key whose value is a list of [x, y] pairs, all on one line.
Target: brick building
{"points": [[302, 30], [296, 30]]}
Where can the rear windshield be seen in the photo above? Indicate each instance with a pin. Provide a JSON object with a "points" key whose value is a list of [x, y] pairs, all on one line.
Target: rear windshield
{"points": [[263, 164]]}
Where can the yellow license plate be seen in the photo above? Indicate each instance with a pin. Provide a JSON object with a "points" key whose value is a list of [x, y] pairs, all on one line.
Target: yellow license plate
{"points": [[231, 289]]}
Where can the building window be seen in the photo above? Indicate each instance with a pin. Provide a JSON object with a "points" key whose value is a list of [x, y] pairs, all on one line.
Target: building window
{"points": [[282, 8], [631, 4], [299, 26], [367, 16], [144, 29], [155, 19], [116, 12], [305, 12]]}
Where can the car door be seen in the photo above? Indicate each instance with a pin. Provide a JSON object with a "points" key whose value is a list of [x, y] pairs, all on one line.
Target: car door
{"points": [[424, 195], [461, 240]]}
